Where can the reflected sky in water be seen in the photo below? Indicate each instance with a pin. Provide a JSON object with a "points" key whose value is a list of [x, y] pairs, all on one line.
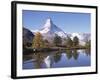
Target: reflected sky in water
{"points": [[57, 59]]}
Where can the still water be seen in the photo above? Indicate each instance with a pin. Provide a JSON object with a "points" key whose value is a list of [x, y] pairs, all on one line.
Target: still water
{"points": [[57, 59]]}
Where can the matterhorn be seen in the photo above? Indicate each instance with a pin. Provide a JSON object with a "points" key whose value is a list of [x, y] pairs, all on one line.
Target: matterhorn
{"points": [[49, 30]]}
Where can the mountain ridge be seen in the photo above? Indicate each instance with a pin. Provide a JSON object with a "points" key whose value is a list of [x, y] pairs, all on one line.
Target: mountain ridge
{"points": [[49, 30]]}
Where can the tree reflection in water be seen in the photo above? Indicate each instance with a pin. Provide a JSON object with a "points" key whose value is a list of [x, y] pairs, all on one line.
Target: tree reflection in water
{"points": [[57, 57], [87, 52], [75, 54], [72, 53], [46, 58], [51, 59], [54, 57], [69, 54], [38, 60]]}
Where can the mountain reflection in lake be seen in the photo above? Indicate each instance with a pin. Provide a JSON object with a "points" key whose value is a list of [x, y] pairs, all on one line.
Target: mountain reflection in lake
{"points": [[55, 59]]}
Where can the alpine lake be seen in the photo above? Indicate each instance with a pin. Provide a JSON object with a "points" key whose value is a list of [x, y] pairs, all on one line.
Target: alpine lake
{"points": [[57, 59]]}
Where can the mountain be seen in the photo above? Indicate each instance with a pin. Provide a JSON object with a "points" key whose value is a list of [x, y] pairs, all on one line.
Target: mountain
{"points": [[50, 30], [83, 37], [27, 36]]}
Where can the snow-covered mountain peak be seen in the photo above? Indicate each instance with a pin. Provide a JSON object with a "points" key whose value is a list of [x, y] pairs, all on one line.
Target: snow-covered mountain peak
{"points": [[50, 28], [48, 23]]}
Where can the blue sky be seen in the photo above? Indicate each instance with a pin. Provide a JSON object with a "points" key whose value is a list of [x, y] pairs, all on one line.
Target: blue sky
{"points": [[67, 21]]}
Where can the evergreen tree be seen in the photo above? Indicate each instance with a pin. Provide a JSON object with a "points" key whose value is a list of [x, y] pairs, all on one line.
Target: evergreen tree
{"points": [[75, 41], [88, 44], [69, 42], [57, 40], [47, 44]]}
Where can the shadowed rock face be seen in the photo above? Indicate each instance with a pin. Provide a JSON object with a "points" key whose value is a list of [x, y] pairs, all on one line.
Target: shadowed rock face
{"points": [[27, 37]]}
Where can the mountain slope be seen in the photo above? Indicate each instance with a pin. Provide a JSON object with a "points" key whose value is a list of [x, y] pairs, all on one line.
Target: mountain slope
{"points": [[50, 29], [27, 36]]}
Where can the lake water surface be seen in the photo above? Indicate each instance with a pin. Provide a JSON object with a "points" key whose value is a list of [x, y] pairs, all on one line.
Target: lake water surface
{"points": [[57, 59]]}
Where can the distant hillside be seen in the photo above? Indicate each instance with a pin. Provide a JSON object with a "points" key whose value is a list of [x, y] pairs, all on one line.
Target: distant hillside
{"points": [[27, 37]]}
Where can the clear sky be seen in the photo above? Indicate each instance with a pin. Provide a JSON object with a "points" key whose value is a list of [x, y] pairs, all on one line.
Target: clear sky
{"points": [[67, 21]]}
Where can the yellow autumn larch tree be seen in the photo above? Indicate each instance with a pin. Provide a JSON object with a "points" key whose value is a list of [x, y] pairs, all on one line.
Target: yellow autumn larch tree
{"points": [[38, 41]]}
